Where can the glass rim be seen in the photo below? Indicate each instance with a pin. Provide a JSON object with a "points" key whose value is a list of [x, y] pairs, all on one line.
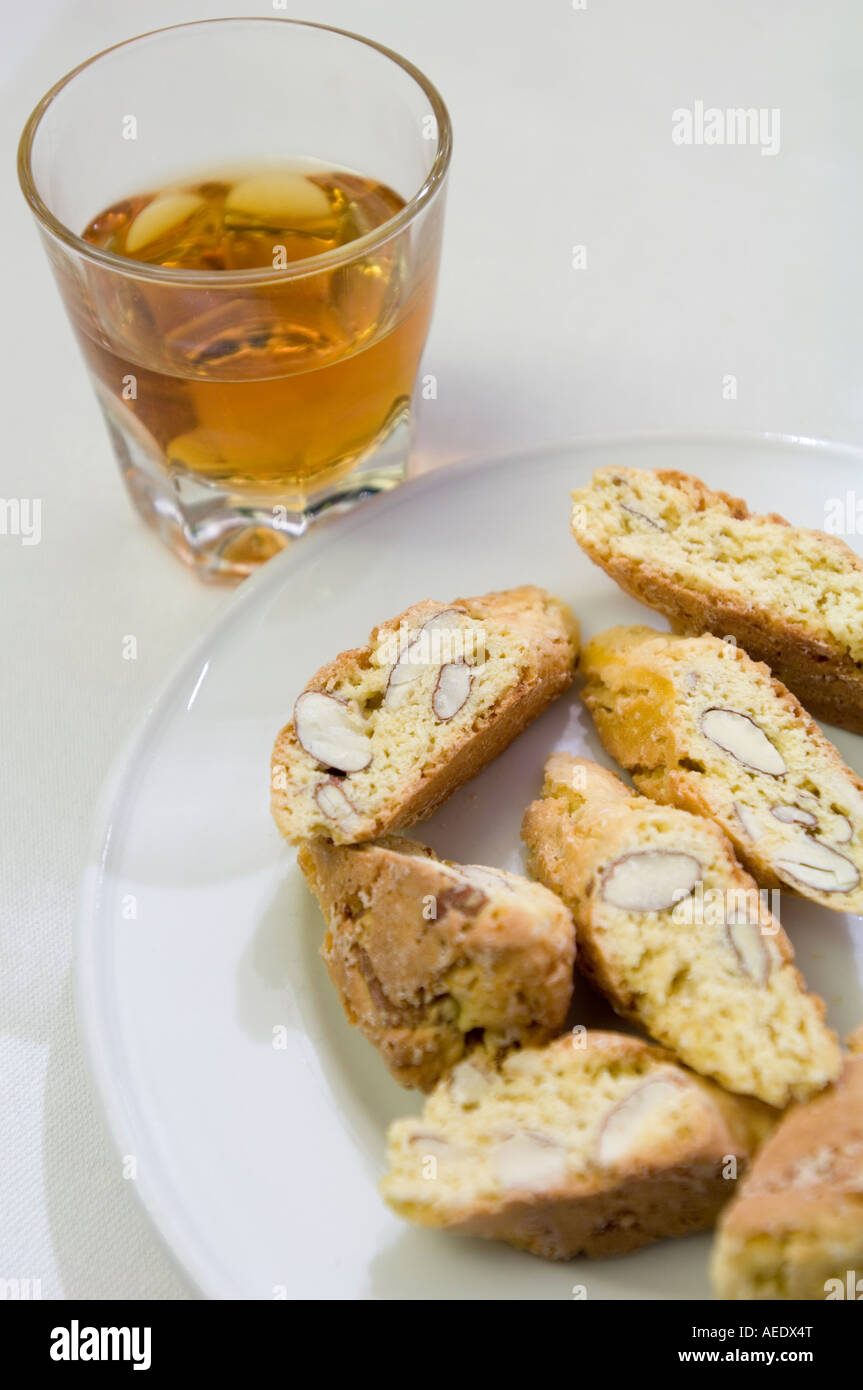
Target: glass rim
{"points": [[295, 269]]}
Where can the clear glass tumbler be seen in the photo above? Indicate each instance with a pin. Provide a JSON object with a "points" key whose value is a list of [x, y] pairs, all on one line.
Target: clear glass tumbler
{"points": [[242, 403]]}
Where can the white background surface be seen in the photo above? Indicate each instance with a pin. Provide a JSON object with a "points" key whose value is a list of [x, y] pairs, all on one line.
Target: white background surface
{"points": [[701, 262]]}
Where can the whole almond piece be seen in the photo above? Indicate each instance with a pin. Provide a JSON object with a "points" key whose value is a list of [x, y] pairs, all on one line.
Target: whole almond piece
{"points": [[623, 1127], [748, 946], [650, 880], [452, 689], [331, 731], [529, 1161], [336, 806], [744, 739], [817, 866]]}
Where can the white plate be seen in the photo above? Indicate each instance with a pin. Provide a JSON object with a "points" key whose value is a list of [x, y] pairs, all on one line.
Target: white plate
{"points": [[259, 1163]]}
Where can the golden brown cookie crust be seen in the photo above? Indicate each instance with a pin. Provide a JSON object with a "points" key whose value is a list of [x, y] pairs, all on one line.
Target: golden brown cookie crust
{"points": [[727, 1000], [797, 1221], [811, 657], [417, 761], [432, 959], [670, 1177]]}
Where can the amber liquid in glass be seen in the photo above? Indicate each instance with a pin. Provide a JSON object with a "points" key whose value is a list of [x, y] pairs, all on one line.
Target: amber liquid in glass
{"points": [[280, 385]]}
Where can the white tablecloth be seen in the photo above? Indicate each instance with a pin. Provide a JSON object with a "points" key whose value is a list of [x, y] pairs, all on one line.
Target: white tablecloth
{"points": [[701, 263]]}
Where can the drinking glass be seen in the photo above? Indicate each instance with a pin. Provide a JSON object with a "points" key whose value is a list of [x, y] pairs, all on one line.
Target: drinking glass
{"points": [[235, 419]]}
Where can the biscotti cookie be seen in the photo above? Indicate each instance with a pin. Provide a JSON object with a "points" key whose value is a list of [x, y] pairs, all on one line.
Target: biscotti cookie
{"points": [[677, 936], [431, 959], [795, 1229], [702, 726], [386, 732], [792, 597], [594, 1145]]}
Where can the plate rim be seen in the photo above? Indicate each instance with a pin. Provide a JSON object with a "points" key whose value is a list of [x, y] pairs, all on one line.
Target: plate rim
{"points": [[184, 1245]]}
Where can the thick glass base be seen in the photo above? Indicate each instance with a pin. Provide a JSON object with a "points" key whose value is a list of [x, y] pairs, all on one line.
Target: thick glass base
{"points": [[225, 535]]}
